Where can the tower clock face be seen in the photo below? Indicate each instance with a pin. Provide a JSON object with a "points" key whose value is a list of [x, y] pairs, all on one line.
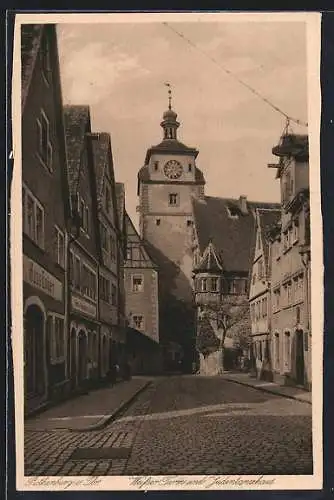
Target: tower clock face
{"points": [[173, 169]]}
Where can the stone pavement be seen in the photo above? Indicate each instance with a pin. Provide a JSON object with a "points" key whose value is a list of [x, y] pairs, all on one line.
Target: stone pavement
{"points": [[91, 411], [271, 387], [184, 425]]}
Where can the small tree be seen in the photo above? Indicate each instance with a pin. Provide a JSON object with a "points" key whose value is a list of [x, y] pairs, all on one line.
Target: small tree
{"points": [[206, 340], [231, 316]]}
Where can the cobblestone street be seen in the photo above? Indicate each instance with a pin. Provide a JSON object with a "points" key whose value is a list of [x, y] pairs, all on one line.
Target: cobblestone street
{"points": [[184, 425]]}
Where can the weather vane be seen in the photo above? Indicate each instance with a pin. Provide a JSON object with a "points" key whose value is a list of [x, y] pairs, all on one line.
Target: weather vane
{"points": [[168, 85]]}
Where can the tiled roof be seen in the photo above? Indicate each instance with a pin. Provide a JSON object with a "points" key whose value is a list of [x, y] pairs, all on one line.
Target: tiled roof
{"points": [[31, 35], [77, 124], [292, 144], [231, 230], [168, 146], [120, 197], [101, 148]]}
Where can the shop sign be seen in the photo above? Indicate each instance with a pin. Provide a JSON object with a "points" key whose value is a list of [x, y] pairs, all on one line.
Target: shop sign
{"points": [[82, 305], [39, 278]]}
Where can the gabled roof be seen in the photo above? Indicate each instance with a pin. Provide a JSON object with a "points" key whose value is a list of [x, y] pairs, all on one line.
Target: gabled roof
{"points": [[31, 36], [210, 262], [101, 148], [267, 218], [133, 239], [120, 198], [230, 225], [104, 165], [77, 124]]}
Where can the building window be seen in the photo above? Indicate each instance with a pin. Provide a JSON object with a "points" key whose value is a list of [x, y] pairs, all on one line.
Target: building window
{"points": [[158, 221], [287, 350], [189, 167], [295, 236], [33, 221], [297, 315], [104, 239], [189, 223], [112, 248], [138, 321], [137, 283], [306, 341], [289, 293], [214, 284], [60, 247], [113, 295], [173, 199], [72, 270], [77, 273], [260, 269], [156, 165], [59, 337], [105, 289], [84, 216], [129, 253], [285, 241], [56, 331], [204, 285], [277, 299], [44, 147], [277, 354]]}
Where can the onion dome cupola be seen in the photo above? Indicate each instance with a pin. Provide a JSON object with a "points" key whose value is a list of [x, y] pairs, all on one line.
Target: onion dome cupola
{"points": [[169, 122]]}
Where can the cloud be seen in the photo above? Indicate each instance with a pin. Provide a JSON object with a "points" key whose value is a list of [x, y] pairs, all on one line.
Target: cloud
{"points": [[88, 74]]}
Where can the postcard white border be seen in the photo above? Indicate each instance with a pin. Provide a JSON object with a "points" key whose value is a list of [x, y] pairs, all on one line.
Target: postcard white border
{"points": [[118, 483]]}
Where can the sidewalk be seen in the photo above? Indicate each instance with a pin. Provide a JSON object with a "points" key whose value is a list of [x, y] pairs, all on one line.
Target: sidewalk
{"points": [[271, 387], [91, 411]]}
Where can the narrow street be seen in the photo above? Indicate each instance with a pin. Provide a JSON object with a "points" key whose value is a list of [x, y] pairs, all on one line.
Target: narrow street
{"points": [[184, 425]]}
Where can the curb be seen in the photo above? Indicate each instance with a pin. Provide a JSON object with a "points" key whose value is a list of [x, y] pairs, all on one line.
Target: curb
{"points": [[110, 418], [270, 391]]}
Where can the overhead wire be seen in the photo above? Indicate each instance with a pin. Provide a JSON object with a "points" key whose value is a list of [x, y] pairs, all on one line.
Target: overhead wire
{"points": [[239, 80]]}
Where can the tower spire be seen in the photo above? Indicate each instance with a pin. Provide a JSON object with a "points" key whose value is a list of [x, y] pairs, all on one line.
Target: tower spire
{"points": [[168, 85], [169, 123]]}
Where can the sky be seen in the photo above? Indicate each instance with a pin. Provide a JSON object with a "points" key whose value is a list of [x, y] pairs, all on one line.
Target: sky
{"points": [[119, 70]]}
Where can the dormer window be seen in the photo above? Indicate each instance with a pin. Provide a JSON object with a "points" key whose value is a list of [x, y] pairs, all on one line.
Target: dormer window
{"points": [[233, 211]]}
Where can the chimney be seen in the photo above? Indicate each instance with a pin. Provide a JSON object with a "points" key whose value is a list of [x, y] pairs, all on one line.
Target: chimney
{"points": [[243, 205]]}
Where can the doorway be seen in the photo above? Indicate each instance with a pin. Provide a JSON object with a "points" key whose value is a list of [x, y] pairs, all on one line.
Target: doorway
{"points": [[300, 363], [82, 357], [34, 352], [73, 351]]}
